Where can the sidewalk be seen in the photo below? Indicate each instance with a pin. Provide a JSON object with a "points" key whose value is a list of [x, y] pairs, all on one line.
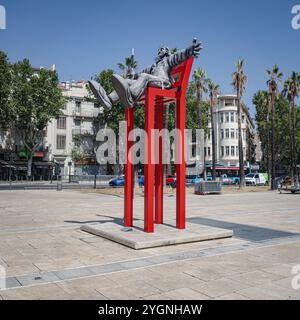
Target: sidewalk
{"points": [[46, 256]]}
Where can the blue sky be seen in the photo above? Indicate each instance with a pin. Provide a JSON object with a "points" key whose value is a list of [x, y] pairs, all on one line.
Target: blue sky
{"points": [[84, 37]]}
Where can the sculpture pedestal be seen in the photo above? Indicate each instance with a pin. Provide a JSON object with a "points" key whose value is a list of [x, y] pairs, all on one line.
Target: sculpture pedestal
{"points": [[165, 234]]}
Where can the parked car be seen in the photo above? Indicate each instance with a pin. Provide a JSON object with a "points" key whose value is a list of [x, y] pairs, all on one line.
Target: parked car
{"points": [[117, 182], [230, 180], [141, 181], [192, 179], [170, 180], [255, 179]]}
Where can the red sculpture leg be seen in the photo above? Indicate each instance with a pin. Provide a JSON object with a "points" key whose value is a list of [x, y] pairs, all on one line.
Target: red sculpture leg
{"points": [[128, 187], [149, 166], [159, 168], [180, 163]]}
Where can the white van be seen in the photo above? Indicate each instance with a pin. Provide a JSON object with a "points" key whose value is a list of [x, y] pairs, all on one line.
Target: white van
{"points": [[255, 179]]}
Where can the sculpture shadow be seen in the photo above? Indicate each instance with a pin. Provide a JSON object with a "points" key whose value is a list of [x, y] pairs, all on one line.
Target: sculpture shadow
{"points": [[115, 220], [244, 231]]}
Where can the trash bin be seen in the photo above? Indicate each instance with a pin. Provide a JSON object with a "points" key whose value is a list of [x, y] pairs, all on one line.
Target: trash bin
{"points": [[208, 187]]}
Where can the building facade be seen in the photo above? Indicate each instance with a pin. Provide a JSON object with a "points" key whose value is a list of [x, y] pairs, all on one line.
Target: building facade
{"points": [[70, 139], [226, 132]]}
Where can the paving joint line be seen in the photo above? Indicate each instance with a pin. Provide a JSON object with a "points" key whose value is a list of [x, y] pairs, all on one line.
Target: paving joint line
{"points": [[62, 275]]}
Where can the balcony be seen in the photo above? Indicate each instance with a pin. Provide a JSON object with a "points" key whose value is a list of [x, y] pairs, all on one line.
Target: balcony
{"points": [[86, 113], [83, 132]]}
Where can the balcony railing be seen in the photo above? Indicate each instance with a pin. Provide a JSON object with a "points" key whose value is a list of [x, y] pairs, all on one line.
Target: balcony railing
{"points": [[83, 132], [86, 113]]}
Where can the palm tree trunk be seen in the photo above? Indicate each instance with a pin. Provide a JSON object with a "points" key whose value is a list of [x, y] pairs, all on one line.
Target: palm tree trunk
{"points": [[291, 141], [168, 165], [273, 144], [294, 159], [204, 161], [213, 140], [199, 99], [268, 148], [240, 141]]}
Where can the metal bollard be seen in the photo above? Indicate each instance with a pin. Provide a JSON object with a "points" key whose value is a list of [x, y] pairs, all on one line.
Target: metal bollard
{"points": [[59, 184]]}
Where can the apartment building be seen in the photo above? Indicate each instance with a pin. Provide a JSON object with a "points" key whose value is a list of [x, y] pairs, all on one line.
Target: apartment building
{"points": [[70, 138], [226, 132]]}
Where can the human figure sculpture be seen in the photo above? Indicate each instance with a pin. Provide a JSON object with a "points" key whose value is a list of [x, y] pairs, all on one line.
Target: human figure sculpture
{"points": [[129, 90]]}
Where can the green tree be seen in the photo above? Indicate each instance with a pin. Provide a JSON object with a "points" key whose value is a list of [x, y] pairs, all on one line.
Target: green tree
{"points": [[109, 117], [128, 67], [274, 78], [261, 102], [214, 90], [5, 92], [291, 91], [239, 80], [200, 82], [36, 99], [281, 139]]}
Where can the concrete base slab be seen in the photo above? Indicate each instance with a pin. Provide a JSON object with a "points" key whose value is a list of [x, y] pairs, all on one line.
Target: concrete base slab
{"points": [[164, 235]]}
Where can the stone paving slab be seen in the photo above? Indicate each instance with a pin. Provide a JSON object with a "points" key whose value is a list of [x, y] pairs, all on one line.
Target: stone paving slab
{"points": [[164, 235]]}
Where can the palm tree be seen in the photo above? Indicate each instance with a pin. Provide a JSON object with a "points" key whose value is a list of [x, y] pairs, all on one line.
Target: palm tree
{"points": [[274, 78], [129, 66], [290, 91], [239, 80], [200, 82], [214, 90], [266, 104]]}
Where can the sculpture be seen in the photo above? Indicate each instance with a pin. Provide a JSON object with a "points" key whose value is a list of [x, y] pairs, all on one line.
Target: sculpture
{"points": [[129, 90]]}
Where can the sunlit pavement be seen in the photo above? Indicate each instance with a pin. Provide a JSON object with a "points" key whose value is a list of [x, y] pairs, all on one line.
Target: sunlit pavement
{"points": [[46, 256]]}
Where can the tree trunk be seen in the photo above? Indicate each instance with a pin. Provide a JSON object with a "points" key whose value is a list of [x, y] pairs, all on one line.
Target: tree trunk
{"points": [[29, 167], [268, 148], [273, 143], [294, 158], [204, 160], [291, 141], [213, 140], [199, 98], [240, 141], [168, 165]]}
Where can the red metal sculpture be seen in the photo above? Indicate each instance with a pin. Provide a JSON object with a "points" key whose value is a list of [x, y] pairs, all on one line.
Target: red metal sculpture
{"points": [[154, 101]]}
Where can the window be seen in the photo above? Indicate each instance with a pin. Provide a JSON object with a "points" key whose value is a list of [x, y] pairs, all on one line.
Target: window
{"points": [[77, 106], [231, 116], [243, 118], [208, 151], [222, 134], [77, 124], [61, 123], [232, 151], [222, 116], [208, 135], [77, 143], [60, 142], [232, 133], [193, 151], [227, 116], [227, 133], [227, 151], [222, 151]]}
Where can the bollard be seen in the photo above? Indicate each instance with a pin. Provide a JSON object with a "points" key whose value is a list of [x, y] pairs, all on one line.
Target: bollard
{"points": [[59, 184]]}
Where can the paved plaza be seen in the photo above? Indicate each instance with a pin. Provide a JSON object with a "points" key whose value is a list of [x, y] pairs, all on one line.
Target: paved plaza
{"points": [[47, 256]]}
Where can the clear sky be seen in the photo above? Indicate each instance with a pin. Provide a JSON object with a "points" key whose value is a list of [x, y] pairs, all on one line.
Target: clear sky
{"points": [[84, 37]]}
